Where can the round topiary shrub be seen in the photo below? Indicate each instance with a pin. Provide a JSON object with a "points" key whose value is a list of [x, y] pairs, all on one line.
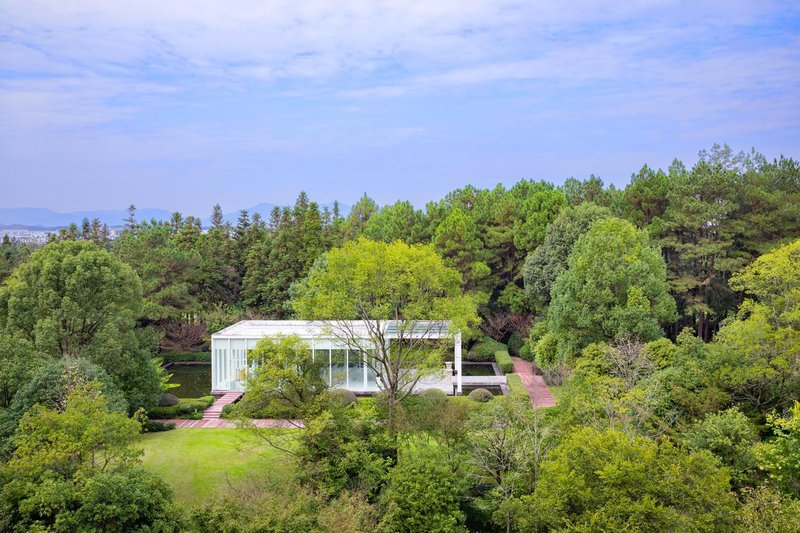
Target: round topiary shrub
{"points": [[167, 400], [435, 395], [480, 395], [342, 397]]}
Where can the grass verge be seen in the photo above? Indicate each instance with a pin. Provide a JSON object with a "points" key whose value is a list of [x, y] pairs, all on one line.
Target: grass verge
{"points": [[198, 463]]}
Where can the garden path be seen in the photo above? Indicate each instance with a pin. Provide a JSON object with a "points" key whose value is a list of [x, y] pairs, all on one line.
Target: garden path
{"points": [[211, 417], [537, 388]]}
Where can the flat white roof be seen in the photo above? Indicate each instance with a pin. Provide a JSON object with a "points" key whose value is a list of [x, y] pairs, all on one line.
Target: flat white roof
{"points": [[257, 329]]}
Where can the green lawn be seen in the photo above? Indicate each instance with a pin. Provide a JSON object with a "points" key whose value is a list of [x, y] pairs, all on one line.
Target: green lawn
{"points": [[200, 462]]}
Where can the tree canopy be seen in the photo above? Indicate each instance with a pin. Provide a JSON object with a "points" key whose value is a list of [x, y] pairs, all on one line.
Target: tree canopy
{"points": [[615, 287]]}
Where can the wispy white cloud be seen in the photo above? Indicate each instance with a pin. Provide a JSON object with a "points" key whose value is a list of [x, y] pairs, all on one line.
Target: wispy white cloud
{"points": [[171, 83]]}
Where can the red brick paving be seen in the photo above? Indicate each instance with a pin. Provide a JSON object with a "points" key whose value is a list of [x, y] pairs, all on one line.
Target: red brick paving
{"points": [[537, 388], [220, 423], [211, 417]]}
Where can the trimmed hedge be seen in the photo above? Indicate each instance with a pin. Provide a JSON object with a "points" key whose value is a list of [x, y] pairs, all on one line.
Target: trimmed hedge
{"points": [[185, 357], [189, 408], [483, 350], [154, 426], [515, 343], [504, 361], [517, 387]]}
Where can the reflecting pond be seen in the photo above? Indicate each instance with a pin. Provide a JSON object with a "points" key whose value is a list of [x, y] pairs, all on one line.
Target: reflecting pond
{"points": [[194, 380], [477, 369]]}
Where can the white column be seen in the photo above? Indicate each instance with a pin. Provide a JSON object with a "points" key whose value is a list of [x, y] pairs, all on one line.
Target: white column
{"points": [[213, 365], [228, 366], [458, 362]]}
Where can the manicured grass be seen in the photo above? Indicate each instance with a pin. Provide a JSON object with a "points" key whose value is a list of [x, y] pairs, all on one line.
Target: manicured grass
{"points": [[517, 387], [199, 462]]}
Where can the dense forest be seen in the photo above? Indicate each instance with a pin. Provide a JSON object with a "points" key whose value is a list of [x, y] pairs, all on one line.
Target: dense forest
{"points": [[665, 314]]}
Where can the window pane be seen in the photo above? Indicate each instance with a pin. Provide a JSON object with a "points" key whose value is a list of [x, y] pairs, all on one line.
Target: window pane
{"points": [[372, 376], [338, 368], [355, 370], [323, 356]]}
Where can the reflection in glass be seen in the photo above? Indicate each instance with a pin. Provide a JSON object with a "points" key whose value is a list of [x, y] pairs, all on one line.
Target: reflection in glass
{"points": [[372, 376], [355, 370], [338, 368], [323, 356]]}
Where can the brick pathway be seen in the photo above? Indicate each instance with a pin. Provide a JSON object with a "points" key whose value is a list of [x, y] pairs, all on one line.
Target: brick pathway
{"points": [[537, 388], [213, 412], [220, 423], [211, 417]]}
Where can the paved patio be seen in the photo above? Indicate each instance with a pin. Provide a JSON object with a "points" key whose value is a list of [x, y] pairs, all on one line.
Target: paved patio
{"points": [[537, 388]]}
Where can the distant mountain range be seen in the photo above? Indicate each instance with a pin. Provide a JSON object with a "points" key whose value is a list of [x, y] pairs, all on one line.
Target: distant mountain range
{"points": [[41, 218]]}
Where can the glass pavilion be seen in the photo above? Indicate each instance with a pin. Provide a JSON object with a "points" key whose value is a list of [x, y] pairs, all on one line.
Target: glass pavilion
{"points": [[346, 368]]}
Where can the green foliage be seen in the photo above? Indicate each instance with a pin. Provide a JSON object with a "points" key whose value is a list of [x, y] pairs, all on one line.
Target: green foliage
{"points": [[73, 299], [615, 287], [545, 352], [508, 442], [754, 357], [517, 387], [357, 219], [730, 436], [294, 240], [186, 408], [480, 395], [345, 449], [377, 281], [74, 470], [765, 510], [284, 507], [342, 397], [185, 357], [155, 426], [423, 493], [19, 362], [458, 240], [438, 417], [286, 381], [397, 222], [12, 253], [504, 361], [780, 455], [484, 350], [167, 400], [728, 209], [606, 480], [51, 385], [515, 343], [168, 273], [549, 260]]}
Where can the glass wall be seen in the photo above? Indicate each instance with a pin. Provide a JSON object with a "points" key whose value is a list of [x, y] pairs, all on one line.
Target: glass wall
{"points": [[338, 367], [372, 375], [218, 364], [355, 370], [322, 353]]}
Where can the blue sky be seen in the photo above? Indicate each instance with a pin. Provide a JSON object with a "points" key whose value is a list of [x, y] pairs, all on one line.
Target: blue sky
{"points": [[181, 104]]}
